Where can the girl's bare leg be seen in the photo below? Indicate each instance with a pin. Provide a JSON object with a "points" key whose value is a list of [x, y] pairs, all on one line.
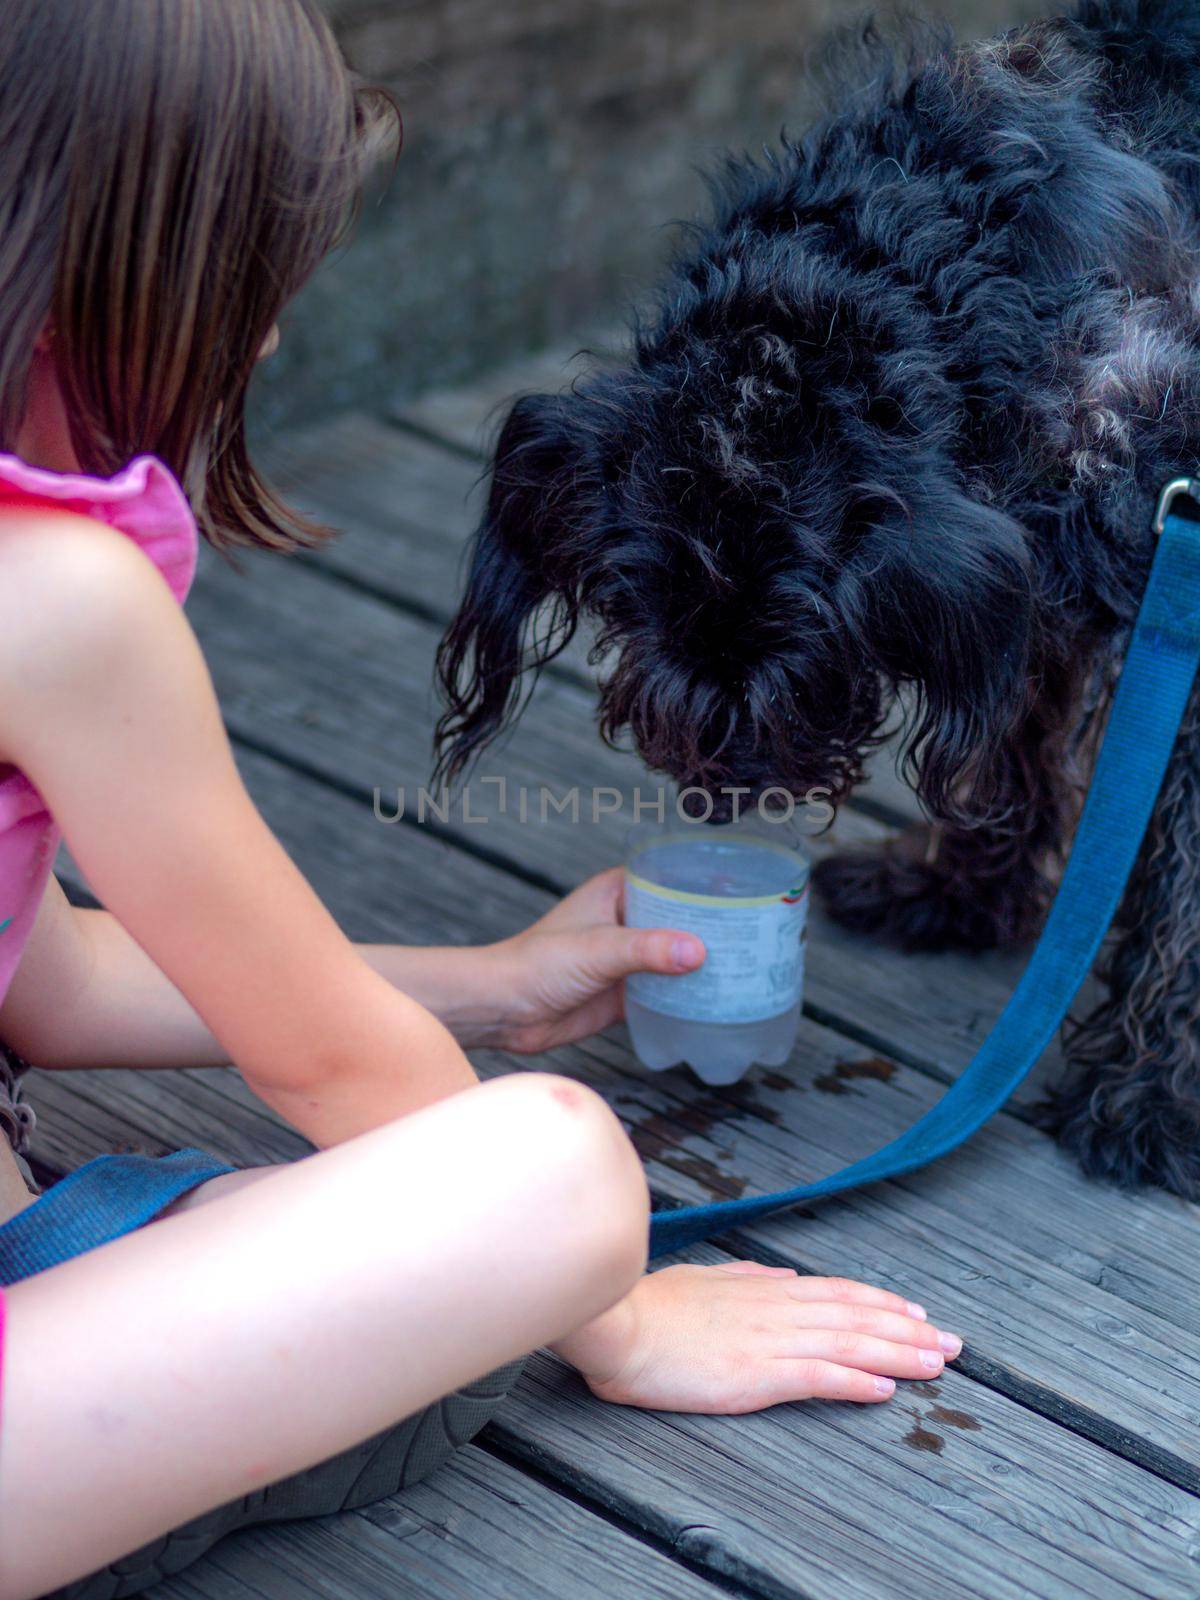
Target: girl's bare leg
{"points": [[237, 1342]]}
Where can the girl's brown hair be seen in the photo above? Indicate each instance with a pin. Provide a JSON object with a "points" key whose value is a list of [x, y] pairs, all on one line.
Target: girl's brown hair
{"points": [[171, 171]]}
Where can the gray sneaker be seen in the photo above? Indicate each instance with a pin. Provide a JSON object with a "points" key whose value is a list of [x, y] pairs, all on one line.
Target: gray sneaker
{"points": [[16, 1114], [372, 1471]]}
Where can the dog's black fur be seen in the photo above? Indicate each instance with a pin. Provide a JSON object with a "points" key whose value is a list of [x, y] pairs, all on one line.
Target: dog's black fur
{"points": [[898, 426]]}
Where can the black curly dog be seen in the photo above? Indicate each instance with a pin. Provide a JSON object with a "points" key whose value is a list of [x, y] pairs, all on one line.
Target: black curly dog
{"points": [[897, 427]]}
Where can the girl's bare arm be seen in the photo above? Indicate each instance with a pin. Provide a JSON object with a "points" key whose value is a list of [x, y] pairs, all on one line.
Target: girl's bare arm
{"points": [[87, 995], [115, 720]]}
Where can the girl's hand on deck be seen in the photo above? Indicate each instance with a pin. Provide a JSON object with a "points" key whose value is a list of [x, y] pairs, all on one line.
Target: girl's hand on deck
{"points": [[740, 1337], [565, 972]]}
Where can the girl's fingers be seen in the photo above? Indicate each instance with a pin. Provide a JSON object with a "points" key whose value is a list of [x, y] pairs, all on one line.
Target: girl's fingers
{"points": [[607, 954], [872, 1320], [862, 1294], [756, 1267], [864, 1351], [825, 1380], [593, 1016], [597, 900]]}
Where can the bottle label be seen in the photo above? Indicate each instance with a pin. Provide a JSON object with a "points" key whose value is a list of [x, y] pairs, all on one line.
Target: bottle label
{"points": [[755, 963]]}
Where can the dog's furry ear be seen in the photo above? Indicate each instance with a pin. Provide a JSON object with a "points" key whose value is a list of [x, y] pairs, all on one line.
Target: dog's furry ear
{"points": [[954, 611], [514, 616]]}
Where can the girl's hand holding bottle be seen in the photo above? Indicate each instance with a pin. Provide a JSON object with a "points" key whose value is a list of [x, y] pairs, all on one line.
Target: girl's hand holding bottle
{"points": [[558, 981]]}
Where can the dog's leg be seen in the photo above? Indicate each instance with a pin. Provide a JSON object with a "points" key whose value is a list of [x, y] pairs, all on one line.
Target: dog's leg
{"points": [[1129, 1107], [941, 888], [976, 887]]}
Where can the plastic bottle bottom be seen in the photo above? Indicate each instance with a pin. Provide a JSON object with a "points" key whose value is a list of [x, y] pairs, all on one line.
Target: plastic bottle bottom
{"points": [[717, 1052]]}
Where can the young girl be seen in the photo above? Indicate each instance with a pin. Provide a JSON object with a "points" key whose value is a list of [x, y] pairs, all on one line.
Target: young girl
{"points": [[179, 1335]]}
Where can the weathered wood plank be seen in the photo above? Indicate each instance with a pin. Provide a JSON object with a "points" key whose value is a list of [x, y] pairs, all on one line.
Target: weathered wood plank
{"points": [[1072, 1301], [479, 1529], [961, 1496], [466, 417]]}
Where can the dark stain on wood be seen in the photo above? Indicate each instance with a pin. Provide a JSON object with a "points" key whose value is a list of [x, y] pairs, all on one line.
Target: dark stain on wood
{"points": [[925, 1439], [919, 1438], [839, 1080], [741, 1100], [656, 1139], [955, 1419], [778, 1082]]}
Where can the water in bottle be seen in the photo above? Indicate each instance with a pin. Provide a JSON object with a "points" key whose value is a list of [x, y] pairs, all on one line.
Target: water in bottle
{"points": [[744, 891]]}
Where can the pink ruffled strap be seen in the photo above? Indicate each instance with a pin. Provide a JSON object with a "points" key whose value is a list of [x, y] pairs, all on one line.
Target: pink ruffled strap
{"points": [[143, 501]]}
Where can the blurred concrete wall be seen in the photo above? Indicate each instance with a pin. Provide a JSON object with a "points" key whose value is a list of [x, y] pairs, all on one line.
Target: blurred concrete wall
{"points": [[548, 145]]}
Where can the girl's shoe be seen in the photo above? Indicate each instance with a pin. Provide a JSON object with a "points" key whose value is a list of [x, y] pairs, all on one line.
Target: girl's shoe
{"points": [[17, 1120], [372, 1471]]}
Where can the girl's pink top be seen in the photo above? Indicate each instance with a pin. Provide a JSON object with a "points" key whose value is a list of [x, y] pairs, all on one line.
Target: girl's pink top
{"points": [[145, 503]]}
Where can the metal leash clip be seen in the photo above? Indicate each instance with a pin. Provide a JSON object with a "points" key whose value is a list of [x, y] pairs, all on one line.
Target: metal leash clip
{"points": [[1166, 501]]}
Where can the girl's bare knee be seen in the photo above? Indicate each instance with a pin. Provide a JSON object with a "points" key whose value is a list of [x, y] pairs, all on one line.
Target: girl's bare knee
{"points": [[594, 1189]]}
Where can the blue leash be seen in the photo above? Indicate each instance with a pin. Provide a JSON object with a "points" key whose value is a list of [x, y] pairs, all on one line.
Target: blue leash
{"points": [[1151, 698]]}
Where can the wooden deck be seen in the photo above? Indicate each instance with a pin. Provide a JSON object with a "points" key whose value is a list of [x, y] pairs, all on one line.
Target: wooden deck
{"points": [[1060, 1456]]}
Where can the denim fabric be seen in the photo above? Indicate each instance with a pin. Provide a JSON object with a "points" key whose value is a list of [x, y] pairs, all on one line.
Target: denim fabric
{"points": [[102, 1201]]}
